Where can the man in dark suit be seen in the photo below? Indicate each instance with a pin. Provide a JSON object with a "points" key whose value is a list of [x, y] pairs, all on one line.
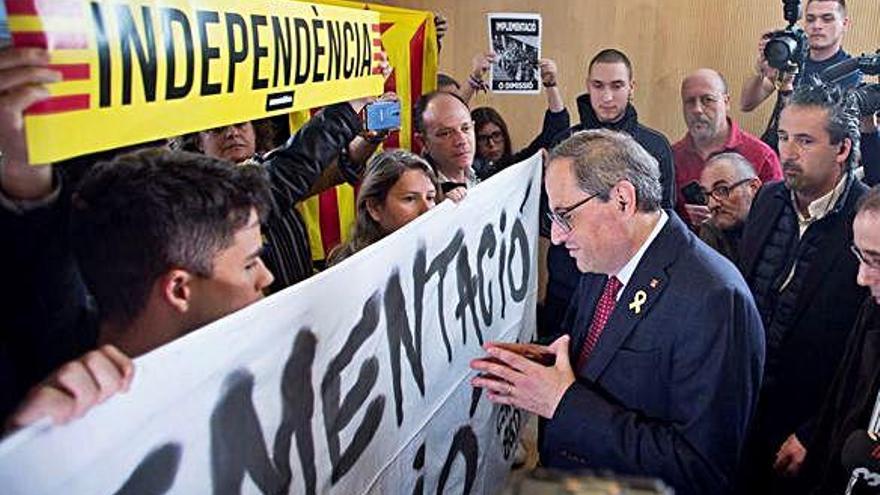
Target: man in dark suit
{"points": [[667, 343], [795, 255]]}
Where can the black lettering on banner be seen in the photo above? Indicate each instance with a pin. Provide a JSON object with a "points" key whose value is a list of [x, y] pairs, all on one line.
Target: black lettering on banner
{"points": [[502, 256], [236, 56], [155, 474], [465, 443], [507, 425], [260, 51], [365, 51], [297, 409], [334, 35], [518, 236], [339, 412], [487, 246], [171, 16], [348, 34], [476, 394], [203, 18], [398, 334], [303, 47], [283, 50], [317, 25], [104, 66], [145, 49], [237, 445], [418, 464], [467, 294], [421, 276]]}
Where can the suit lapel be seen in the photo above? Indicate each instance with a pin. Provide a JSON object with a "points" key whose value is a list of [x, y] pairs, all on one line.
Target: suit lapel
{"points": [[645, 287]]}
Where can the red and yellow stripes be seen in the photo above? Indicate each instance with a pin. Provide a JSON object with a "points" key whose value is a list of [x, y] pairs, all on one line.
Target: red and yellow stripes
{"points": [[55, 25]]}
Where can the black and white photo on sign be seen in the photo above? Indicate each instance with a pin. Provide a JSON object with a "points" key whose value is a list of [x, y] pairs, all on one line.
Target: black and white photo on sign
{"points": [[516, 41]]}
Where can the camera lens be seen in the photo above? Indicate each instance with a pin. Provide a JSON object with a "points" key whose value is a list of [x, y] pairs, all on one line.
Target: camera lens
{"points": [[779, 51]]}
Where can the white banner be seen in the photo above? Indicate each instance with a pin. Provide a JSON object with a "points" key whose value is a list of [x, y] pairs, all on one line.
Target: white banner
{"points": [[354, 381]]}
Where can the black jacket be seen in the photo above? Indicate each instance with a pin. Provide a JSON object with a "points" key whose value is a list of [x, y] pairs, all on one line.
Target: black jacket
{"points": [[293, 169], [847, 407], [800, 367]]}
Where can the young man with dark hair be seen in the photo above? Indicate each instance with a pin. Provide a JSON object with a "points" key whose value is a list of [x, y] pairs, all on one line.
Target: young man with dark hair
{"points": [[166, 241], [606, 105], [795, 256]]}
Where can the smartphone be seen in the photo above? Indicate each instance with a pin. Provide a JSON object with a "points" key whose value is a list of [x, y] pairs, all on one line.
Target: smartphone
{"points": [[534, 352], [382, 116], [693, 194]]}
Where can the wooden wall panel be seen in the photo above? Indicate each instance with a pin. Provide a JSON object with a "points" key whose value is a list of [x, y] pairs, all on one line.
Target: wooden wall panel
{"points": [[666, 39]]}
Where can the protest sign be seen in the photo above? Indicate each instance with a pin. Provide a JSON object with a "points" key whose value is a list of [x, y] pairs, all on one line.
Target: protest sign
{"points": [[516, 41], [138, 70], [353, 381]]}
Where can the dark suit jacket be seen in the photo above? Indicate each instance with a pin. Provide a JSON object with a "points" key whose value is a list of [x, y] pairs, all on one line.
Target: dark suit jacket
{"points": [[667, 392]]}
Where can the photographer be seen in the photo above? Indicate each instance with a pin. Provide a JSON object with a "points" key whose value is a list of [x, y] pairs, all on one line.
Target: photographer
{"points": [[825, 23]]}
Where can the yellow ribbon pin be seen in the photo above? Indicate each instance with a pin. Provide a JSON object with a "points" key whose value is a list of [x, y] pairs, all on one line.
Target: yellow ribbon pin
{"points": [[638, 299]]}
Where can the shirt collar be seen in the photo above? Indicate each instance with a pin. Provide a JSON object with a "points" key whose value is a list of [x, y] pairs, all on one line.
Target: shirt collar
{"points": [[823, 205], [470, 176], [626, 273]]}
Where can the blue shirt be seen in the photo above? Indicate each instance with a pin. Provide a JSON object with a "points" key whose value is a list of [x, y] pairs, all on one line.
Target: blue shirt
{"points": [[812, 67]]}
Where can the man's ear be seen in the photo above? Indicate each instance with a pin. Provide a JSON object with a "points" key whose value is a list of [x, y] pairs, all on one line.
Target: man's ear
{"points": [[175, 288], [420, 142], [624, 195], [843, 151]]}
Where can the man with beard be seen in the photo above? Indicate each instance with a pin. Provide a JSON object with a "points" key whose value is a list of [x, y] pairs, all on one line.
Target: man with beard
{"points": [[795, 255], [729, 185], [705, 104]]}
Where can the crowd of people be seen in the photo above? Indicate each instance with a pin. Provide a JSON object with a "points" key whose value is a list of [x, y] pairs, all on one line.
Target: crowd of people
{"points": [[713, 305]]}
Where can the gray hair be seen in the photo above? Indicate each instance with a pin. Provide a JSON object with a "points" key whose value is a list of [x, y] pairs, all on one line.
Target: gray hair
{"points": [[744, 168], [602, 158]]}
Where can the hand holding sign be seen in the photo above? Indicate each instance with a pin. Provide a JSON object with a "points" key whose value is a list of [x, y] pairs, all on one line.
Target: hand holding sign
{"points": [[23, 72], [522, 382], [76, 387]]}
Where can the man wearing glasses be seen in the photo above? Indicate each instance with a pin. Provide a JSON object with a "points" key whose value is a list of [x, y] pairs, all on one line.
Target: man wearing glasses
{"points": [[854, 400], [659, 366], [795, 256], [705, 104], [729, 186]]}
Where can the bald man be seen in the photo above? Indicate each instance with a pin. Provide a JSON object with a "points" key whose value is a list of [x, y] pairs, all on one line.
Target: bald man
{"points": [[706, 104]]}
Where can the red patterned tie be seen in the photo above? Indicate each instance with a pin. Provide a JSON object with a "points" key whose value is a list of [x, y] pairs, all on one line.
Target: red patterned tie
{"points": [[600, 318]]}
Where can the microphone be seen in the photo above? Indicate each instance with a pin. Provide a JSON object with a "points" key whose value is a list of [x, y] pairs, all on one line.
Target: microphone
{"points": [[869, 64], [861, 456], [840, 70]]}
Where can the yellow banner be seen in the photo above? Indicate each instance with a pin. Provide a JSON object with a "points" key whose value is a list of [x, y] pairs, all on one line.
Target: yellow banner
{"points": [[135, 71]]}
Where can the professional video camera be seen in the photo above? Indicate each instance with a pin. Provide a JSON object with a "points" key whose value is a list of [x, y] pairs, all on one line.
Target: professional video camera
{"points": [[786, 49], [866, 96]]}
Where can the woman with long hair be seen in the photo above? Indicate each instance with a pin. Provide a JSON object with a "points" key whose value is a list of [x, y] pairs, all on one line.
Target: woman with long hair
{"points": [[397, 187]]}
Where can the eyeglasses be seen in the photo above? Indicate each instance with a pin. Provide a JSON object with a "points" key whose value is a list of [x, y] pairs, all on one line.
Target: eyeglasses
{"points": [[446, 133], [870, 263], [561, 216], [496, 137], [722, 192]]}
